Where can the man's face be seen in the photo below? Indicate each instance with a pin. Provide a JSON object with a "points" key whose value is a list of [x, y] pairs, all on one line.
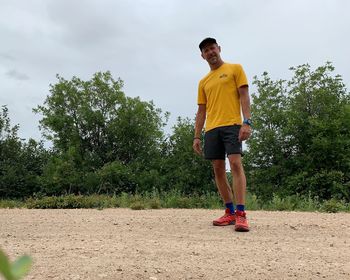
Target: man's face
{"points": [[211, 53]]}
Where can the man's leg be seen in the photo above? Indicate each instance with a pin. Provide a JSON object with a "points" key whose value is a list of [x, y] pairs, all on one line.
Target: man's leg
{"points": [[221, 180], [225, 192], [214, 150], [239, 186], [239, 179]]}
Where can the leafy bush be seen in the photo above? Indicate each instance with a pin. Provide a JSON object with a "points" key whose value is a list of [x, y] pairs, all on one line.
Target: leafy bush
{"points": [[137, 205], [116, 177], [72, 201], [21, 163], [155, 203], [177, 200], [99, 135], [333, 206], [7, 203], [301, 139]]}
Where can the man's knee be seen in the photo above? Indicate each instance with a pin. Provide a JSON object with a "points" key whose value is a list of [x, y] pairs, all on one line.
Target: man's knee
{"points": [[235, 163], [219, 168]]}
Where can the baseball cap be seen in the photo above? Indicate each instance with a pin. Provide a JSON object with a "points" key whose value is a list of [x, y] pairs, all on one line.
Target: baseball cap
{"points": [[206, 41]]}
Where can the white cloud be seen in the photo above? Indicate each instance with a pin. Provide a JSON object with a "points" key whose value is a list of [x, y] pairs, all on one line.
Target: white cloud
{"points": [[14, 74], [153, 45]]}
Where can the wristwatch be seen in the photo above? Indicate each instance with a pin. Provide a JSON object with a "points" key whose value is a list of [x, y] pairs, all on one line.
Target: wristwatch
{"points": [[248, 122]]}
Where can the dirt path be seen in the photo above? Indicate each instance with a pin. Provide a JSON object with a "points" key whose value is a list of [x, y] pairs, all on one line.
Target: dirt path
{"points": [[176, 244]]}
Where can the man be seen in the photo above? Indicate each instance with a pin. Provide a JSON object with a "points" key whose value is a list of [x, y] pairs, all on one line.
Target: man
{"points": [[222, 95]]}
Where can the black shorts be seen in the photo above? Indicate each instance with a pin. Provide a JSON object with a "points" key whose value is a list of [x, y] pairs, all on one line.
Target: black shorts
{"points": [[222, 140]]}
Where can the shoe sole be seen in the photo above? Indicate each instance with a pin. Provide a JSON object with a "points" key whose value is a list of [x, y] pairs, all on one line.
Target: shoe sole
{"points": [[223, 225], [241, 229]]}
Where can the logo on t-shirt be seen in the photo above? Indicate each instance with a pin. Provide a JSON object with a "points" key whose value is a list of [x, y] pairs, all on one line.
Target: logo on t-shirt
{"points": [[223, 76]]}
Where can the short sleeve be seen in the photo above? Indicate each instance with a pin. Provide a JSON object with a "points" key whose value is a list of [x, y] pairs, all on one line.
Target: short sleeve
{"points": [[202, 99], [241, 78]]}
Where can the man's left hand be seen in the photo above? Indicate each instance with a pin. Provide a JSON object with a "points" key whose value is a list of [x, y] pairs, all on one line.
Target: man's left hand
{"points": [[244, 132]]}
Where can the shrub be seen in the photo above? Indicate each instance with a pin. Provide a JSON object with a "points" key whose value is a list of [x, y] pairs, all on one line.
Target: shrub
{"points": [[333, 206], [137, 205]]}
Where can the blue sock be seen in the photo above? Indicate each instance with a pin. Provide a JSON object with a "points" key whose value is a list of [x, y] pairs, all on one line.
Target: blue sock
{"points": [[240, 207], [231, 207]]}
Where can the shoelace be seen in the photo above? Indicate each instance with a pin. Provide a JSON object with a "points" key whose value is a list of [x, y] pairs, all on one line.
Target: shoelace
{"points": [[226, 216], [240, 218]]}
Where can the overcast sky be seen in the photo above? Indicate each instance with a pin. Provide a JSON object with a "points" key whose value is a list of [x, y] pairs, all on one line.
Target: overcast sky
{"points": [[152, 45]]}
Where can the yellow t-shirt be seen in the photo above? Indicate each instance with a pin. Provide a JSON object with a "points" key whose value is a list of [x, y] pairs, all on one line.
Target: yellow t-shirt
{"points": [[219, 91]]}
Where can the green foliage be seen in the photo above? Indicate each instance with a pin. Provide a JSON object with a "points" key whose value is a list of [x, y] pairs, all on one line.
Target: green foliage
{"points": [[252, 202], [101, 138], [301, 139], [8, 203], [173, 199], [107, 143], [333, 206], [137, 205], [116, 177], [62, 174], [282, 204], [155, 203], [176, 199], [72, 202], [101, 123], [185, 171], [16, 270], [21, 163]]}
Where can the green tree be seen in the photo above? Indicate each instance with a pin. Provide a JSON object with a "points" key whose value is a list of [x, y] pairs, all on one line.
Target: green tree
{"points": [[319, 114], [93, 124], [21, 163], [267, 146], [184, 170], [301, 139]]}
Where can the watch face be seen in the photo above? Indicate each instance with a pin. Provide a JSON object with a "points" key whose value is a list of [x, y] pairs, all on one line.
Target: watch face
{"points": [[248, 122]]}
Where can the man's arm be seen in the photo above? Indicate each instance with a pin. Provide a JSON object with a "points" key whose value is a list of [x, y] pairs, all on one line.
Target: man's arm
{"points": [[245, 130], [200, 119]]}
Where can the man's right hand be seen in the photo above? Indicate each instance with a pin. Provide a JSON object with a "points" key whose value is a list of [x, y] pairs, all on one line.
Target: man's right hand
{"points": [[197, 147]]}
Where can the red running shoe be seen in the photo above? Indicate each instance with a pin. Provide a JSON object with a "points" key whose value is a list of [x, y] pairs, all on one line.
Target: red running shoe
{"points": [[225, 220], [241, 221]]}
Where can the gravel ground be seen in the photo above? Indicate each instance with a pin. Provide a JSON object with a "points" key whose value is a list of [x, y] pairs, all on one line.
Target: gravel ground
{"points": [[176, 244]]}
